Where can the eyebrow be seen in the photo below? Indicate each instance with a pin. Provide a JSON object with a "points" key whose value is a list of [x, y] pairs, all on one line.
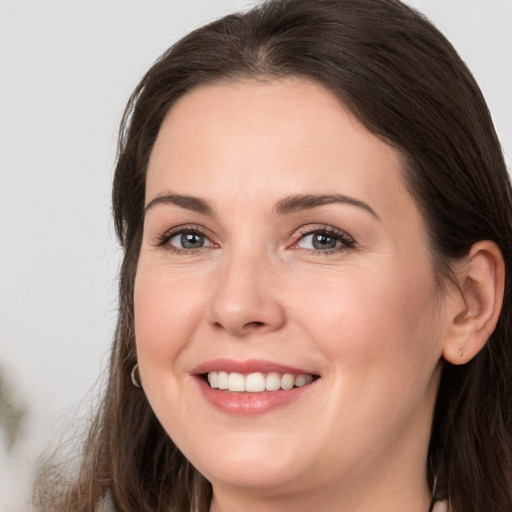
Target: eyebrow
{"points": [[303, 202], [285, 206], [188, 202]]}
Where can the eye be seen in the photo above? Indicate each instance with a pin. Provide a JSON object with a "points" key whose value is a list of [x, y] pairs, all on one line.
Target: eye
{"points": [[325, 239], [319, 241], [189, 240], [184, 240]]}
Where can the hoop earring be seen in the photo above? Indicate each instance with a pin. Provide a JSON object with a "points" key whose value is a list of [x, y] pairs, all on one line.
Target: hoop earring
{"points": [[135, 381], [434, 495]]}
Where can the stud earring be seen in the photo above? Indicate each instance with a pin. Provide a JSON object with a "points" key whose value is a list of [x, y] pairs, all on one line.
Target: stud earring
{"points": [[135, 381]]}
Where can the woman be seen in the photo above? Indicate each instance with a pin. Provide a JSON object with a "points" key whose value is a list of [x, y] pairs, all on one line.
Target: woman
{"points": [[314, 298]]}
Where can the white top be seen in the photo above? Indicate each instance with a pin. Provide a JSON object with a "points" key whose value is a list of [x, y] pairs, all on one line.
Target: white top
{"points": [[440, 506], [106, 506]]}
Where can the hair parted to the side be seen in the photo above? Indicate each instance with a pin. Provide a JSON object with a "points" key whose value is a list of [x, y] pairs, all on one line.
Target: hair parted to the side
{"points": [[404, 81]]}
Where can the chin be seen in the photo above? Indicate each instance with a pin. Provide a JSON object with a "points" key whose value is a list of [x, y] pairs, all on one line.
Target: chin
{"points": [[257, 465]]}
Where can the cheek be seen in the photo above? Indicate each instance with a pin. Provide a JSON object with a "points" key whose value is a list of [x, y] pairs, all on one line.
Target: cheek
{"points": [[166, 312], [378, 335], [373, 315]]}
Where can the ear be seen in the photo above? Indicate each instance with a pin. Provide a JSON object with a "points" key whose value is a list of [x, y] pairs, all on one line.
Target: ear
{"points": [[474, 309]]}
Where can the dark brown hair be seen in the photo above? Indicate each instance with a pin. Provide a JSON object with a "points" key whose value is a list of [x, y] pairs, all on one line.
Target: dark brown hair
{"points": [[404, 81]]}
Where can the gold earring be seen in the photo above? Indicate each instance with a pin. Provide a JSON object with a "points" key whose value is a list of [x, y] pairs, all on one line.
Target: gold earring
{"points": [[460, 351]]}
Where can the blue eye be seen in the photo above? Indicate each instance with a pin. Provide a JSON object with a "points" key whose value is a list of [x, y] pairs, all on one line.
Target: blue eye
{"points": [[189, 240], [184, 239], [319, 242], [324, 240]]}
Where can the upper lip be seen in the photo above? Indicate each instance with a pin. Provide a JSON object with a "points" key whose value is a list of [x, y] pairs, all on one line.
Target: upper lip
{"points": [[246, 367]]}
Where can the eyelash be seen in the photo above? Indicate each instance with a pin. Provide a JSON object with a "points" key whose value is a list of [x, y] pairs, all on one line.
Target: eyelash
{"points": [[346, 241], [164, 239]]}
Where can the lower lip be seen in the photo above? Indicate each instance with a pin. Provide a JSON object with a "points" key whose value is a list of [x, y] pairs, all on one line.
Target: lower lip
{"points": [[247, 404]]}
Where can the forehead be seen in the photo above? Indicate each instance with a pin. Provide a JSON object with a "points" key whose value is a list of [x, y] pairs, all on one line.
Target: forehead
{"points": [[259, 139]]}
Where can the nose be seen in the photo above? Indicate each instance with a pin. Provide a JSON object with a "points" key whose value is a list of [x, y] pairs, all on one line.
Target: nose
{"points": [[245, 299]]}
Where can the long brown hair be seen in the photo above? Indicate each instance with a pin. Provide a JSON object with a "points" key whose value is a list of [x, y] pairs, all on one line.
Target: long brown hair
{"points": [[404, 81]]}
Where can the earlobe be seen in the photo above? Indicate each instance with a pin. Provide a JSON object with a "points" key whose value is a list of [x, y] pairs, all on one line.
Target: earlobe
{"points": [[475, 308]]}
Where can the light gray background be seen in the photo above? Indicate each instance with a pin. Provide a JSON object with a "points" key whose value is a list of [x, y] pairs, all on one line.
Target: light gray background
{"points": [[66, 70]]}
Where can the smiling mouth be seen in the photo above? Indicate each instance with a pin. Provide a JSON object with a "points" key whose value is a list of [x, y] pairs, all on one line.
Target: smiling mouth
{"points": [[256, 382]]}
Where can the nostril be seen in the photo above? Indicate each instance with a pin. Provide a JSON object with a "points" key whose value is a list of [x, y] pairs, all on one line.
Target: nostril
{"points": [[245, 328], [254, 324]]}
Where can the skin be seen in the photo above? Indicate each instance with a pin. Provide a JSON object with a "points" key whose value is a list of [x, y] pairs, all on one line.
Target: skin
{"points": [[366, 317]]}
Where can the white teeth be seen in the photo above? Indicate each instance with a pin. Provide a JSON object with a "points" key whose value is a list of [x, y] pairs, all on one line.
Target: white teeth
{"points": [[300, 380], [256, 382], [287, 381], [223, 381], [236, 382], [213, 379], [273, 382]]}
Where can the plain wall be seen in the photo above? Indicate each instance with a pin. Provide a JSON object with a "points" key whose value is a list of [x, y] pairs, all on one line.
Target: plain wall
{"points": [[66, 70]]}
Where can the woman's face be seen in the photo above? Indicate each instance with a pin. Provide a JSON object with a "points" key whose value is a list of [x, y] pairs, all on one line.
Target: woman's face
{"points": [[281, 249]]}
